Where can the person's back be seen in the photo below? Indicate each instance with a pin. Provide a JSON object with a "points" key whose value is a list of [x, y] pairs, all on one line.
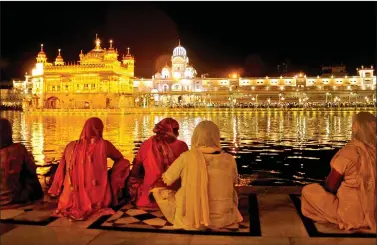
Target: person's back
{"points": [[82, 181], [222, 197], [207, 197], [155, 155], [348, 196], [19, 181], [150, 170]]}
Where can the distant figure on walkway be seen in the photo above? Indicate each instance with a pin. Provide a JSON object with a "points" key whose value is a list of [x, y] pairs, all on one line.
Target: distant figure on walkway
{"points": [[348, 197], [19, 180], [82, 179], [207, 197], [154, 157]]}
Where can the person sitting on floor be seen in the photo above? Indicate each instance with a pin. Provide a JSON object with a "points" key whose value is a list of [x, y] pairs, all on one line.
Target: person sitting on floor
{"points": [[207, 197], [154, 157], [19, 180], [348, 197], [82, 181]]}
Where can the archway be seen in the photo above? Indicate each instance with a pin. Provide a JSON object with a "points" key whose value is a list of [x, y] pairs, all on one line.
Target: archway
{"points": [[53, 103]]}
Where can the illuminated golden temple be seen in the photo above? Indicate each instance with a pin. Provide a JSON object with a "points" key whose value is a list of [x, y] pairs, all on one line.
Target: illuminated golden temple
{"points": [[98, 80]]}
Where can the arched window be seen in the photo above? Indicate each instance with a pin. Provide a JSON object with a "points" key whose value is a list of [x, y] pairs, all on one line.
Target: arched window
{"points": [[165, 88]]}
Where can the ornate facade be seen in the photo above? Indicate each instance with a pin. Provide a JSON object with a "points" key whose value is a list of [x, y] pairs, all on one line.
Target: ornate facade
{"points": [[179, 83], [98, 80]]}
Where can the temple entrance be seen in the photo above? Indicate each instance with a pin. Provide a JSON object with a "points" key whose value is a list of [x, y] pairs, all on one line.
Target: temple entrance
{"points": [[53, 103]]}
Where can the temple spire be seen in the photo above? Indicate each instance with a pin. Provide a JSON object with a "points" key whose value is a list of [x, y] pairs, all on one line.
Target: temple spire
{"points": [[179, 42], [59, 59], [41, 57], [111, 44], [98, 42], [128, 51]]}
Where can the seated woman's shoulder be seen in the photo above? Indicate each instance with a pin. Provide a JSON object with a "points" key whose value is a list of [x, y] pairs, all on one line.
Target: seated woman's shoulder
{"points": [[349, 147], [15, 149], [349, 151], [71, 145], [146, 143], [226, 156], [18, 147], [184, 154], [182, 143]]}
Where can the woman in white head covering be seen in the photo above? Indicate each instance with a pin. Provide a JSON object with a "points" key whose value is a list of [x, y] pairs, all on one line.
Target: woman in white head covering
{"points": [[208, 175], [348, 197]]}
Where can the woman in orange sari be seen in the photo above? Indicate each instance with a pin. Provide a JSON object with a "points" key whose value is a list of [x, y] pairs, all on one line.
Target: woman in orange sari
{"points": [[348, 197], [154, 157], [82, 177], [19, 182]]}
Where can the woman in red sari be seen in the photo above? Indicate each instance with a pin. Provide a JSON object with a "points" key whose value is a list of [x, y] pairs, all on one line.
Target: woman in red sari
{"points": [[154, 157], [82, 177], [19, 182]]}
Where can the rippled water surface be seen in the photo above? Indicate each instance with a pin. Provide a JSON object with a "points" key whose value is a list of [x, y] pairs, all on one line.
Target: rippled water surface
{"points": [[274, 148]]}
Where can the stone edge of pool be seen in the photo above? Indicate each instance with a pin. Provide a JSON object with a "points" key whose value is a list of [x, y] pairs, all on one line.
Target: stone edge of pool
{"points": [[245, 190]]}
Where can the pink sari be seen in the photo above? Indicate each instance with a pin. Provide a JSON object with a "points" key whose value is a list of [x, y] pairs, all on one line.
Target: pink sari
{"points": [[154, 158], [83, 175]]}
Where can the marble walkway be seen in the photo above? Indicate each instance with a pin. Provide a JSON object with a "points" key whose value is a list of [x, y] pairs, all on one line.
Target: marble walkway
{"points": [[271, 215]]}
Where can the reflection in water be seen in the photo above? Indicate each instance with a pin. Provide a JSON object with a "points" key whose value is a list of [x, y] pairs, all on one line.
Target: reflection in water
{"points": [[38, 146], [288, 146]]}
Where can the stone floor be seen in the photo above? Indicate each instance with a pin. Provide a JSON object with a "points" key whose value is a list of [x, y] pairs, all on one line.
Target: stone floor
{"points": [[274, 213]]}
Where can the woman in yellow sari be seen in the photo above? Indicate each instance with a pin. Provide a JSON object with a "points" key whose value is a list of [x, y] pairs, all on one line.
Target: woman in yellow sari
{"points": [[348, 197], [207, 197]]}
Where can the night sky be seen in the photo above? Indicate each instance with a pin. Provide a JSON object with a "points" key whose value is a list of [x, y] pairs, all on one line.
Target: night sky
{"points": [[250, 37]]}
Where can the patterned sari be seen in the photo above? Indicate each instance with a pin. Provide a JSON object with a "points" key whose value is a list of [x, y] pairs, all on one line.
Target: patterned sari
{"points": [[82, 177]]}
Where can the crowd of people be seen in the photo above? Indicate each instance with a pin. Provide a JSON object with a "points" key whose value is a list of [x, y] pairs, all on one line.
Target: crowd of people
{"points": [[266, 105], [10, 107], [194, 188]]}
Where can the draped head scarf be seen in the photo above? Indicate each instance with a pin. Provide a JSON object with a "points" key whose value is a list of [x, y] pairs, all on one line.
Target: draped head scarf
{"points": [[166, 132], [205, 139], [93, 129], [5, 133], [91, 133], [364, 140]]}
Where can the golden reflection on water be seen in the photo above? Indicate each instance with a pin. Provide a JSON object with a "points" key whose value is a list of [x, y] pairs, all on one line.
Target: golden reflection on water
{"points": [[47, 135]]}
